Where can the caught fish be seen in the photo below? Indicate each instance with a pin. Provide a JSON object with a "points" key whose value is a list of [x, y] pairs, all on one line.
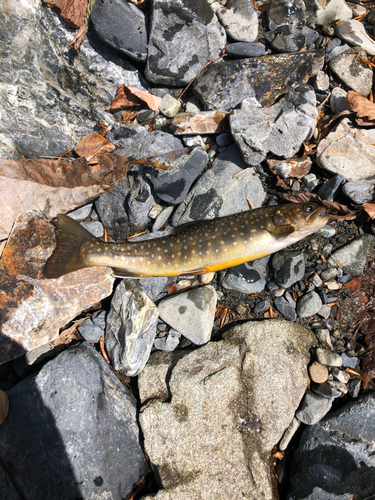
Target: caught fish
{"points": [[193, 248]]}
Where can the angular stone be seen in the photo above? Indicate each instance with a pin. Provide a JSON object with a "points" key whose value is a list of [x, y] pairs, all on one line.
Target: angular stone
{"points": [[354, 255], [330, 188], [313, 408], [260, 131], [354, 33], [289, 267], [122, 25], [56, 438], [308, 305], [220, 393], [184, 37], [286, 38], [292, 168], [33, 309], [191, 313], [223, 85], [239, 19], [131, 328], [283, 306], [338, 152], [352, 72], [359, 191]]}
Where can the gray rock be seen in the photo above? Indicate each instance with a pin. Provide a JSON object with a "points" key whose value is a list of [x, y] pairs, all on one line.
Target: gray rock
{"points": [[48, 97], [169, 106], [81, 213], [321, 83], [338, 101], [328, 358], [94, 227], [327, 232], [93, 328], [191, 313], [334, 47], [183, 38], [241, 50], [313, 408], [267, 130], [359, 191], [169, 342], [262, 306], [309, 304], [162, 218], [288, 266], [131, 328], [122, 25], [249, 277], [283, 306], [349, 361], [354, 387], [220, 191], [221, 390], [354, 33], [286, 38], [289, 433], [56, 438], [351, 71], [154, 286], [353, 256], [338, 151], [330, 188], [145, 115], [282, 12], [239, 19], [337, 455]]}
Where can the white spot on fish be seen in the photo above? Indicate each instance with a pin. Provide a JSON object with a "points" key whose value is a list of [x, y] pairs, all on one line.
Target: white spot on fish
{"points": [[159, 257], [253, 230], [242, 234]]}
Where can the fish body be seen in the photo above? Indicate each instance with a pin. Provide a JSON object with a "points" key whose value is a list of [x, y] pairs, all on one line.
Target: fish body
{"points": [[210, 245]]}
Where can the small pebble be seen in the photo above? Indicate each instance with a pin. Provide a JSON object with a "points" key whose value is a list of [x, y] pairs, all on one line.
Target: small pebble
{"points": [[262, 306], [313, 408], [354, 386], [317, 280], [324, 337], [81, 213], [240, 50], [333, 285], [169, 106], [338, 98], [329, 274], [321, 81], [339, 386], [94, 227], [324, 311], [327, 232], [283, 306], [328, 358], [349, 362], [318, 373], [340, 375], [308, 305]]}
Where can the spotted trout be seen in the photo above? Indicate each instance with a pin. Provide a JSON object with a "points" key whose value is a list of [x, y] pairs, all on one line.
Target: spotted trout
{"points": [[193, 248]]}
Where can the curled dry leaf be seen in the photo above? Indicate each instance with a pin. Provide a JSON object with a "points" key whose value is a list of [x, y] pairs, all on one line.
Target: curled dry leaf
{"points": [[73, 11], [4, 406], [93, 145], [362, 107], [128, 97], [343, 212], [370, 209], [103, 128], [205, 122]]}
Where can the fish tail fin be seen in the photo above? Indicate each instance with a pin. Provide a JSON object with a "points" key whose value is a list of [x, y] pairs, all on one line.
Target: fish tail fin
{"points": [[66, 258]]}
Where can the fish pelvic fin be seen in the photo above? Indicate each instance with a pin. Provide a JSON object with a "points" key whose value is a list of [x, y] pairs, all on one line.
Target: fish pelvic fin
{"points": [[66, 258]]}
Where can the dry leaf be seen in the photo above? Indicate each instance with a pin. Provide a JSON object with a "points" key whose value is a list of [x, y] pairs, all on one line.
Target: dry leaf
{"points": [[73, 11], [4, 406], [103, 128], [345, 213], [362, 107], [205, 122], [93, 145], [128, 96], [370, 209]]}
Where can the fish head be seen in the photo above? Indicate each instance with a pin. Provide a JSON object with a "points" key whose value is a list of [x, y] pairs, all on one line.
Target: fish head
{"points": [[303, 218]]}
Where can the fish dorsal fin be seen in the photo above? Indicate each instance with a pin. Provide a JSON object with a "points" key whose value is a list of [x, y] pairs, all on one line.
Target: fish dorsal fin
{"points": [[188, 225]]}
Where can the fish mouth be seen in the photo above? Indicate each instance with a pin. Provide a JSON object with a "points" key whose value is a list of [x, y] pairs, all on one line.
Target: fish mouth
{"points": [[319, 217]]}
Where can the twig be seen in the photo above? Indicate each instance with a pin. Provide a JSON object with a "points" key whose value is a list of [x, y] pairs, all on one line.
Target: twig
{"points": [[103, 350]]}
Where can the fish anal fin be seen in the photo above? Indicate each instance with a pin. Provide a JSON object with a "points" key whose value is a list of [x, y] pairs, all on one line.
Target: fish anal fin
{"points": [[193, 272]]}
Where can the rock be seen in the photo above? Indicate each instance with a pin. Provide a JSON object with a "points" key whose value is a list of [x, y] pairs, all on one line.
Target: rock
{"points": [[308, 305], [239, 19], [328, 358], [264, 78], [286, 38], [249, 277], [224, 139], [327, 232], [122, 25], [81, 213], [131, 328], [289, 267], [222, 390], [340, 375], [267, 130], [338, 101], [56, 439], [191, 313], [162, 218], [354, 255], [289, 433], [334, 48], [283, 306], [329, 274], [352, 72], [146, 115], [353, 32], [338, 151], [203, 122], [359, 191], [183, 38], [313, 408], [321, 83], [330, 11], [318, 373], [322, 334], [325, 390], [154, 286], [169, 342], [219, 191], [240, 50], [286, 12], [93, 328], [325, 311], [293, 168], [337, 455], [94, 227], [33, 309], [349, 361], [262, 306], [330, 188], [49, 103], [354, 387], [169, 106]]}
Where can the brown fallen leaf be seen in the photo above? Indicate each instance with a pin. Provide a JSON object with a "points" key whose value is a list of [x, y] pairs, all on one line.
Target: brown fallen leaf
{"points": [[92, 145], [4, 406], [344, 213], [205, 122], [128, 97], [362, 107], [73, 11], [370, 209], [103, 128]]}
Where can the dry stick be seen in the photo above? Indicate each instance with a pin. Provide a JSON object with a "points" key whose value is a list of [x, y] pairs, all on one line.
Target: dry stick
{"points": [[103, 350], [323, 102]]}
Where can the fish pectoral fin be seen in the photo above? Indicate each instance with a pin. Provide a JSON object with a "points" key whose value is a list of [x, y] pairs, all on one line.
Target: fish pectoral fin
{"points": [[122, 273], [193, 272], [284, 230]]}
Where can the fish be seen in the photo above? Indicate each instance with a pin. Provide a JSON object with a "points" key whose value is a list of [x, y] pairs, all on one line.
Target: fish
{"points": [[193, 248]]}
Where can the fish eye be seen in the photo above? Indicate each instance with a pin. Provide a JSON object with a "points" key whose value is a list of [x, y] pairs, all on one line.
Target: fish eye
{"points": [[309, 207]]}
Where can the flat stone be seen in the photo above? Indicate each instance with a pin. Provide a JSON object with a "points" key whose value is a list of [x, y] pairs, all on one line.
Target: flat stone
{"points": [[292, 168], [354, 255], [281, 12], [56, 440], [283, 306], [239, 18], [334, 47], [352, 72], [169, 342], [308, 305], [286, 38], [240, 50], [288, 266], [328, 358], [223, 85], [330, 188], [191, 313], [184, 36], [338, 151], [338, 101], [359, 191], [93, 328], [354, 33], [249, 277], [267, 130], [262, 306], [203, 122], [313, 408], [33, 309], [318, 373], [131, 328], [122, 26], [289, 433]]}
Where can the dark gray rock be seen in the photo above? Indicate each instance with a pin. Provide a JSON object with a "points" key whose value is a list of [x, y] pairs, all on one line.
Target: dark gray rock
{"points": [[122, 25], [72, 432], [359, 191], [131, 328], [313, 408], [154, 286], [184, 37], [283, 12], [337, 455], [286, 38], [240, 50], [288, 266], [260, 131], [93, 328], [309, 304], [329, 189], [262, 306], [334, 47], [283, 306], [223, 85], [221, 190], [249, 277]]}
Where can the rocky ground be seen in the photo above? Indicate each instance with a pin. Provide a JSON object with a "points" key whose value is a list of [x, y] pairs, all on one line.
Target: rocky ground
{"points": [[254, 382]]}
